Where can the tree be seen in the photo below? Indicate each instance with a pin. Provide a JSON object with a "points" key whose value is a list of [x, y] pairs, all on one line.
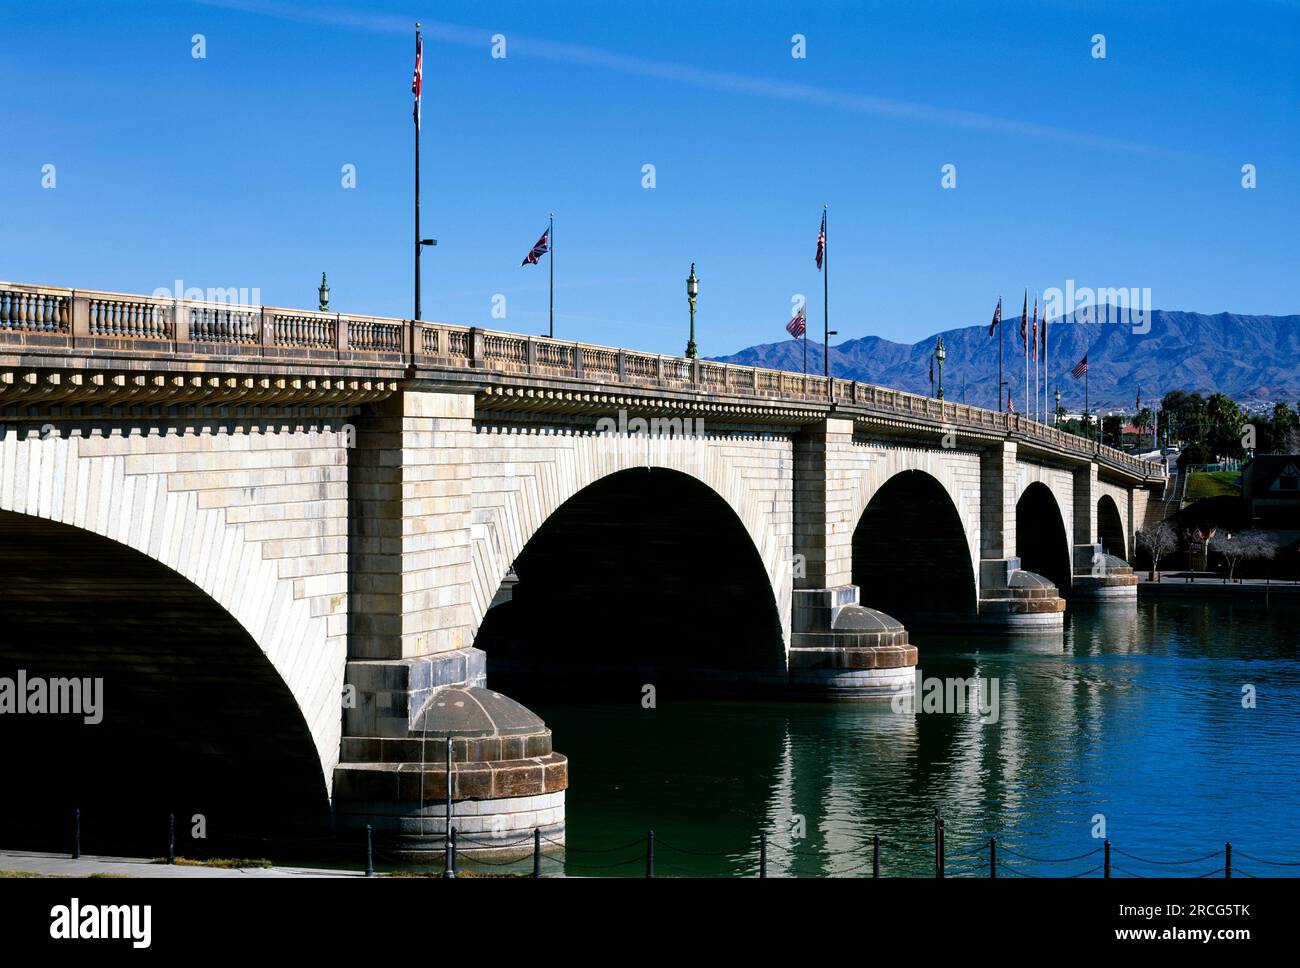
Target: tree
{"points": [[1225, 418], [1143, 419], [1158, 542], [1194, 453], [1112, 426], [1244, 546]]}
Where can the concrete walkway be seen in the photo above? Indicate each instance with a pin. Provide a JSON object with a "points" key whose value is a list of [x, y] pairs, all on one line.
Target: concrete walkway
{"points": [[62, 865], [1174, 584]]}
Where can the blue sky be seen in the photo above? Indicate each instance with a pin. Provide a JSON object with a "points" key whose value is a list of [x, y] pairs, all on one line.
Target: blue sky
{"points": [[225, 171]]}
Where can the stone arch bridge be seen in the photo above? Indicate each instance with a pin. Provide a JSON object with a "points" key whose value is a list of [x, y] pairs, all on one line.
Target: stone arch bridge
{"points": [[236, 515]]}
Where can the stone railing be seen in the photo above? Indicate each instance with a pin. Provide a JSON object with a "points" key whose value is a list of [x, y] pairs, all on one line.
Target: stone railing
{"points": [[44, 319]]}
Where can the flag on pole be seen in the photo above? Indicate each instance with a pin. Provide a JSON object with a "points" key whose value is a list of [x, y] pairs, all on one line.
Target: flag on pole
{"points": [[1138, 405], [821, 242], [535, 254], [1011, 404], [1024, 322], [417, 82], [1080, 368], [997, 318], [797, 326], [1034, 331]]}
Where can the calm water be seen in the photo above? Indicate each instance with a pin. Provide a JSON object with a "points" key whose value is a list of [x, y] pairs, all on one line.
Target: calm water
{"points": [[1133, 714]]}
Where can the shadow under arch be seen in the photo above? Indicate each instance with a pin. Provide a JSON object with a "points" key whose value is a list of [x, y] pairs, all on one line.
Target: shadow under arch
{"points": [[911, 558], [645, 571], [195, 718], [1041, 542], [1110, 527]]}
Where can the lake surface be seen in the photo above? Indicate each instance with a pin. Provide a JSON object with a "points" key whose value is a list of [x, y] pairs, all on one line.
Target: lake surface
{"points": [[1132, 714]]}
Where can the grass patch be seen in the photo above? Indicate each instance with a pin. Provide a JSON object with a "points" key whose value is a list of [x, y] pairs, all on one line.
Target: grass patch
{"points": [[23, 874], [1213, 484], [226, 863]]}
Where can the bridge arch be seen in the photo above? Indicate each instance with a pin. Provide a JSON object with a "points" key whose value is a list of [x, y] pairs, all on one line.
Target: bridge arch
{"points": [[162, 503], [646, 570], [1042, 541], [911, 552], [1110, 527], [744, 476]]}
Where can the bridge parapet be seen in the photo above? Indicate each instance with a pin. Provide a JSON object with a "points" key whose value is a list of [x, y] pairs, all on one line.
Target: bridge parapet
{"points": [[39, 323]]}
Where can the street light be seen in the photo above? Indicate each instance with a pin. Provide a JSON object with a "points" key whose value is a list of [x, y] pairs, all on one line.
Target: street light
{"points": [[324, 291], [940, 354], [1056, 415], [692, 290]]}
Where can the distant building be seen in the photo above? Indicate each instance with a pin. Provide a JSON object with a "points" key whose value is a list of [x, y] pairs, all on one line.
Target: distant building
{"points": [[1270, 486]]}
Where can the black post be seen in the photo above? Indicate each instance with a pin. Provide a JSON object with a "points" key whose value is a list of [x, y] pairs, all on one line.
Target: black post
{"points": [[650, 853], [993, 858], [171, 838], [935, 829], [76, 834], [1227, 860], [1000, 381], [537, 852], [826, 307], [762, 855], [370, 853], [451, 854], [551, 237], [446, 829], [1106, 867], [942, 859], [420, 65], [875, 855]]}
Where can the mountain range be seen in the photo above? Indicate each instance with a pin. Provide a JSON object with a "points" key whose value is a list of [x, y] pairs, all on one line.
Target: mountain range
{"points": [[1253, 359]]}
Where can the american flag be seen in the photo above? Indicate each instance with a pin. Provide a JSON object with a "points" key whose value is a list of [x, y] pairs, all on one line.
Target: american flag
{"points": [[417, 82], [797, 326], [1011, 404], [535, 254], [821, 242], [1080, 368], [997, 318]]}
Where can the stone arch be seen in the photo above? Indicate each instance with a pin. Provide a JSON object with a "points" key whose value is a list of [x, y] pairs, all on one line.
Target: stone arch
{"points": [[170, 495], [645, 571], [522, 476], [1042, 541], [1110, 527], [911, 552]]}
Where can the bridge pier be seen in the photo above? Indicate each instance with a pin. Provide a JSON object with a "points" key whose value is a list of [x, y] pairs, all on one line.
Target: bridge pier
{"points": [[413, 680], [1102, 577]]}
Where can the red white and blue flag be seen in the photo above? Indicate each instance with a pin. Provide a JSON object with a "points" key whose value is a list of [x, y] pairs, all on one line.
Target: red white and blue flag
{"points": [[797, 326], [997, 318], [535, 254], [1024, 322], [1080, 368], [821, 243], [417, 82], [1011, 404], [1034, 344]]}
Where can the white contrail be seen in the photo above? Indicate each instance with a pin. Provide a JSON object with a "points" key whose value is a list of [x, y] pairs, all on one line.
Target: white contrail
{"points": [[684, 74]]}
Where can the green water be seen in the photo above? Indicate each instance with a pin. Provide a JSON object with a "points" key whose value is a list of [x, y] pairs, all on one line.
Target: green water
{"points": [[1132, 714]]}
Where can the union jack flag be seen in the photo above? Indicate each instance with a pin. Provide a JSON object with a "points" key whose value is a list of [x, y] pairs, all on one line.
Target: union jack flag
{"points": [[997, 318], [821, 242], [1080, 368], [542, 247], [797, 326], [417, 82]]}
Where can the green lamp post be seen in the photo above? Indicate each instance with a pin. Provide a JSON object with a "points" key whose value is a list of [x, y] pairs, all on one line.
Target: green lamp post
{"points": [[1056, 415], [940, 354], [692, 291], [324, 294]]}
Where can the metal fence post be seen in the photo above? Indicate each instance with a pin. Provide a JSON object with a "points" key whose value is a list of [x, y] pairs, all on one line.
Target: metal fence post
{"points": [[993, 858], [76, 834], [650, 853], [537, 852], [762, 854], [370, 853], [1227, 860], [1106, 862], [171, 838]]}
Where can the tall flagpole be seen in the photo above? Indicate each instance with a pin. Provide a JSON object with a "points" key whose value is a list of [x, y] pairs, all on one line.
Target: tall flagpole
{"points": [[826, 309], [551, 236], [1024, 340], [420, 83], [999, 356], [1037, 337]]}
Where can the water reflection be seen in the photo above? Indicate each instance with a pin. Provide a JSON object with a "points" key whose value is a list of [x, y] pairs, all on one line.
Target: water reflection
{"points": [[1133, 715]]}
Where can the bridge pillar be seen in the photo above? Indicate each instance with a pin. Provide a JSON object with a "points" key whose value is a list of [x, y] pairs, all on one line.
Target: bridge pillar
{"points": [[838, 648], [1010, 598], [413, 677], [1097, 576]]}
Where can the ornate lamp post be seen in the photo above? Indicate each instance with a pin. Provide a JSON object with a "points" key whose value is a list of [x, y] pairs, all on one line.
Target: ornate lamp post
{"points": [[692, 290], [324, 294], [940, 354], [1056, 414]]}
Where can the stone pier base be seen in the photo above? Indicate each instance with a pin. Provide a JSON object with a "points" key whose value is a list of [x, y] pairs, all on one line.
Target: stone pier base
{"points": [[1102, 577], [842, 650], [1016, 601]]}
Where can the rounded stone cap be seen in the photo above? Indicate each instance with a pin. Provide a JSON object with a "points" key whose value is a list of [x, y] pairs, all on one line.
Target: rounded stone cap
{"points": [[469, 711], [862, 618]]}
